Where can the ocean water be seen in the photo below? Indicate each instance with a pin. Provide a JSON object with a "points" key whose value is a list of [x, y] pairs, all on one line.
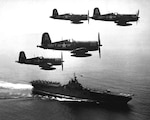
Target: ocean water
{"points": [[124, 65]]}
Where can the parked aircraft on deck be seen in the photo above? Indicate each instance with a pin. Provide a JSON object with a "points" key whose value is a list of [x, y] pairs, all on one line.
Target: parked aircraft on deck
{"points": [[120, 19], [43, 63], [78, 48], [74, 18]]}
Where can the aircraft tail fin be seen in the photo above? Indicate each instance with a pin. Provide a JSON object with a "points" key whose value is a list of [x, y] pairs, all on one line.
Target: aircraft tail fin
{"points": [[45, 39], [22, 57], [55, 13], [96, 12]]}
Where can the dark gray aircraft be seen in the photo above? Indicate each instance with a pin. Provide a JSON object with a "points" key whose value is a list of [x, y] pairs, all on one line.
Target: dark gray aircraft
{"points": [[74, 18], [120, 19], [43, 63], [78, 48]]}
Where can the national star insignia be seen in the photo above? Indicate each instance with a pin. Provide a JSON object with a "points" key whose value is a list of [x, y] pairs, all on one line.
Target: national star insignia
{"points": [[63, 45]]}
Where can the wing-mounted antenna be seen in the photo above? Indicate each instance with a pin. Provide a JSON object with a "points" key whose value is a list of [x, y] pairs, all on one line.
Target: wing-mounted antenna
{"points": [[99, 45]]}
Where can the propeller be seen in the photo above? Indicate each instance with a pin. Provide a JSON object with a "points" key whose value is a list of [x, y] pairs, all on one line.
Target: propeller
{"points": [[99, 45], [137, 21], [88, 17], [137, 15], [62, 61]]}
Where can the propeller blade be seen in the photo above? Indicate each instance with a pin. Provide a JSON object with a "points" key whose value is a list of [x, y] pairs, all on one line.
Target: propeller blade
{"points": [[62, 61], [61, 56], [99, 45], [138, 13], [99, 49], [99, 41], [62, 66], [88, 17], [137, 21]]}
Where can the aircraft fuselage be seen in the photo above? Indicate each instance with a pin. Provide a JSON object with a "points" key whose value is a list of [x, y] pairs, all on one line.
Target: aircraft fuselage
{"points": [[127, 18], [72, 17], [90, 46], [105, 17], [118, 17], [41, 60]]}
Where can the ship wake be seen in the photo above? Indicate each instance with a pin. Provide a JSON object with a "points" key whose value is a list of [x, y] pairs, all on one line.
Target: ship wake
{"points": [[10, 90]]}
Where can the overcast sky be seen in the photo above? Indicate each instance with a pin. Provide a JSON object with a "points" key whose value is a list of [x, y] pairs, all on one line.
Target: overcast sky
{"points": [[21, 17], [22, 23]]}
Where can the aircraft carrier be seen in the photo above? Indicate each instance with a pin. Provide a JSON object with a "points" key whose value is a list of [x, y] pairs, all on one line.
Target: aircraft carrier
{"points": [[74, 90]]}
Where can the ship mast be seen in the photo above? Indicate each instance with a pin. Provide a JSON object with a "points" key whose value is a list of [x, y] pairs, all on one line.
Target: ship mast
{"points": [[75, 77]]}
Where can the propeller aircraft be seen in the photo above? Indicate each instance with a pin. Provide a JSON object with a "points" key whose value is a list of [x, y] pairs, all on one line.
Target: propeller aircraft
{"points": [[74, 18], [43, 63], [77, 48], [119, 19]]}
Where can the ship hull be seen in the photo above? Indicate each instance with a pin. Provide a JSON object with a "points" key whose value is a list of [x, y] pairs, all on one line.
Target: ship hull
{"points": [[61, 91]]}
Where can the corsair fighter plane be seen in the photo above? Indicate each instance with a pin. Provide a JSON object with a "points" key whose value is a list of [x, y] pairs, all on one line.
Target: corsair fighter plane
{"points": [[74, 18], [43, 63], [78, 48], [119, 19]]}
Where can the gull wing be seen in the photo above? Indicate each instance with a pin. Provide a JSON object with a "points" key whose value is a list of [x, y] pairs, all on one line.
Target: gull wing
{"points": [[45, 65], [81, 50]]}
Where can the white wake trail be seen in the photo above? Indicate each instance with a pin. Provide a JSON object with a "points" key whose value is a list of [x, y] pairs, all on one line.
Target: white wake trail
{"points": [[9, 85]]}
